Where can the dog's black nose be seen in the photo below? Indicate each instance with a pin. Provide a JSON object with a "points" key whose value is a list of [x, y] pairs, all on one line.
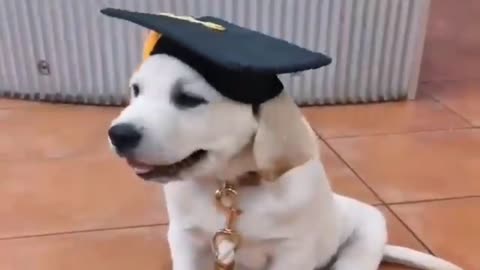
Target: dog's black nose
{"points": [[124, 137]]}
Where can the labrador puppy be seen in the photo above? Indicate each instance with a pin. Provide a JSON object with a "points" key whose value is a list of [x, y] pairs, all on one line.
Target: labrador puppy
{"points": [[179, 131]]}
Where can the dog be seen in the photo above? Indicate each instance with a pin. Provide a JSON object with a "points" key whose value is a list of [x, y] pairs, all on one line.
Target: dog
{"points": [[178, 131]]}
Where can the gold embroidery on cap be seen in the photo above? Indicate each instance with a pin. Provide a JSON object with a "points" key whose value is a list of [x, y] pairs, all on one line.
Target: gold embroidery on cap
{"points": [[210, 25]]}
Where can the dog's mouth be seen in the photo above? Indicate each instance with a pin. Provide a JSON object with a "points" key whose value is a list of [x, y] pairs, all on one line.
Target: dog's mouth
{"points": [[147, 171]]}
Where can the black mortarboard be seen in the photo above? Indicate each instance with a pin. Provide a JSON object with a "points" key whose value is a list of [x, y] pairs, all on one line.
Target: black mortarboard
{"points": [[239, 63]]}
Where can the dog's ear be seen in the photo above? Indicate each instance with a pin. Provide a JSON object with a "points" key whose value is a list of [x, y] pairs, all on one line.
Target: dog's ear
{"points": [[284, 139]]}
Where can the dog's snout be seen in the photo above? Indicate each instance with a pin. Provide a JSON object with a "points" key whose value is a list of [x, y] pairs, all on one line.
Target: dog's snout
{"points": [[124, 136]]}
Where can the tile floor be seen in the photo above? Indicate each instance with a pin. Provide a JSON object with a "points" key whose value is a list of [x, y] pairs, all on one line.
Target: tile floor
{"points": [[67, 203]]}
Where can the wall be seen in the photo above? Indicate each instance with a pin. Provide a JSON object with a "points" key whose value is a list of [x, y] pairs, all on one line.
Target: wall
{"points": [[376, 45]]}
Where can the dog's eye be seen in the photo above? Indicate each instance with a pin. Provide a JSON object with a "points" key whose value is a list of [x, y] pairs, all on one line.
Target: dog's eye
{"points": [[187, 100], [135, 90]]}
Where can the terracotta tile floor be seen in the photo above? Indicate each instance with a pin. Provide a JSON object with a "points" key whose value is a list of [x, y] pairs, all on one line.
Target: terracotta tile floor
{"points": [[67, 203]]}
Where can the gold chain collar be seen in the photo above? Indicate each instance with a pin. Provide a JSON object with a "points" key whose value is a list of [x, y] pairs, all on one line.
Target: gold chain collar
{"points": [[226, 200]]}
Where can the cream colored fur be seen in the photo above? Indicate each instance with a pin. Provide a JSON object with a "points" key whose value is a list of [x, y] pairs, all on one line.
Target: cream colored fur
{"points": [[282, 139], [292, 220]]}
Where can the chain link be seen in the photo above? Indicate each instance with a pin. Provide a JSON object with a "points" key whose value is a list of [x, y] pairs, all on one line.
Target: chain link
{"points": [[226, 201]]}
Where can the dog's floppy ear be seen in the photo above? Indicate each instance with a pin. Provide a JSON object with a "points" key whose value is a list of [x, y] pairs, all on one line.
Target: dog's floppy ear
{"points": [[284, 139]]}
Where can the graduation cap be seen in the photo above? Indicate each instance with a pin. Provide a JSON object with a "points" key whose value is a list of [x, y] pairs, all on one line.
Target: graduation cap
{"points": [[239, 63]]}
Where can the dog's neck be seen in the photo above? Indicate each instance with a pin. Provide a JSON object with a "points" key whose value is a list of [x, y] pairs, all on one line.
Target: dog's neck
{"points": [[273, 149], [241, 169]]}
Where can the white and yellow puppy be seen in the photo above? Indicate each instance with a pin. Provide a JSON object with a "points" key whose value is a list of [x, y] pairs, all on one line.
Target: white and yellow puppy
{"points": [[179, 131]]}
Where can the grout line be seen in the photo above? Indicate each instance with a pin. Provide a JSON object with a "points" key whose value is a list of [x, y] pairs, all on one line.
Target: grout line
{"points": [[82, 231], [434, 200], [389, 207], [395, 133], [377, 196], [448, 108], [383, 203], [410, 230]]}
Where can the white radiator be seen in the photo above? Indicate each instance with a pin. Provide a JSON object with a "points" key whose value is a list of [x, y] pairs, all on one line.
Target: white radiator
{"points": [[376, 46]]}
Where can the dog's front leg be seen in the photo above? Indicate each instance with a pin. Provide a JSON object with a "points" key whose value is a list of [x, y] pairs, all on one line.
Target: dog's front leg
{"points": [[186, 253]]}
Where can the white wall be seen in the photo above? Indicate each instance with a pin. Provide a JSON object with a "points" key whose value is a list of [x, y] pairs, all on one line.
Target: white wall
{"points": [[376, 45]]}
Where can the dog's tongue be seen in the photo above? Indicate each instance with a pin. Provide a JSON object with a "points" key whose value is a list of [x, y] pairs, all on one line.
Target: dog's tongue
{"points": [[139, 167]]}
